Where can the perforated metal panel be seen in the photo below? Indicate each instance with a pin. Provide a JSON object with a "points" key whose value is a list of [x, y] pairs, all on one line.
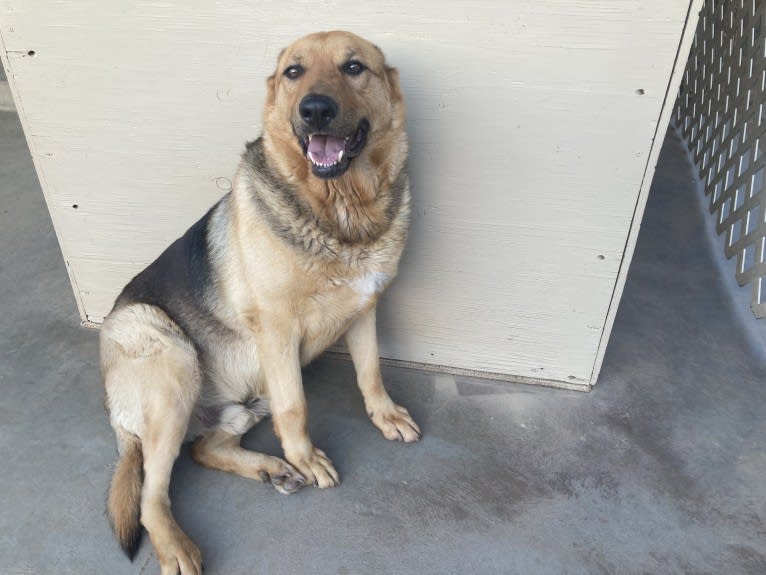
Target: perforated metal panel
{"points": [[720, 113]]}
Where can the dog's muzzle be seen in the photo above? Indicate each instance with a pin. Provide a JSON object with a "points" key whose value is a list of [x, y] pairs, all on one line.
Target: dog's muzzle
{"points": [[329, 150]]}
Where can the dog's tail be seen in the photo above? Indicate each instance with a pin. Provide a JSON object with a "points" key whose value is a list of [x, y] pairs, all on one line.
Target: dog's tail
{"points": [[124, 503]]}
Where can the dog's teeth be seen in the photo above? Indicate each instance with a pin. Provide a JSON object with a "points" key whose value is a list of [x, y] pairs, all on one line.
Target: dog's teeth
{"points": [[340, 156], [325, 164]]}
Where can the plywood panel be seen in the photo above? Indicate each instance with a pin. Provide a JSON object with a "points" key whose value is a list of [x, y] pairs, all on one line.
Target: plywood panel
{"points": [[531, 125]]}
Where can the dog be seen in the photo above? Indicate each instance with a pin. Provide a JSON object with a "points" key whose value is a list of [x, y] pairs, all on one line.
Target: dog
{"points": [[210, 338]]}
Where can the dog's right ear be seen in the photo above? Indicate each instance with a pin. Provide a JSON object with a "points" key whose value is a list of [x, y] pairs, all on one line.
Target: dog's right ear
{"points": [[271, 89], [271, 81]]}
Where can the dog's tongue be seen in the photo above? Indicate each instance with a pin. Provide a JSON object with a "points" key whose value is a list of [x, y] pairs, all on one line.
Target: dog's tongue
{"points": [[325, 149]]}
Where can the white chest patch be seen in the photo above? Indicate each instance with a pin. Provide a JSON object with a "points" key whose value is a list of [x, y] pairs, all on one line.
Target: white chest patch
{"points": [[370, 284]]}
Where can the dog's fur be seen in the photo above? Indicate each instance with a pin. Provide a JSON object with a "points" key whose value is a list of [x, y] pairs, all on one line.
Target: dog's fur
{"points": [[211, 337]]}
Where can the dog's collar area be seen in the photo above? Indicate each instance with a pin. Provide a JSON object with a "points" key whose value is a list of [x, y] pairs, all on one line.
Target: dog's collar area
{"points": [[330, 155]]}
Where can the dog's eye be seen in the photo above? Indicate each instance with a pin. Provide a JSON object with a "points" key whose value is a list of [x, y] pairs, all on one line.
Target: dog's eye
{"points": [[293, 72], [353, 68]]}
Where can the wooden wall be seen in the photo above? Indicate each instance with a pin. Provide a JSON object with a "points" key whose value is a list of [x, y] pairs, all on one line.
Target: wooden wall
{"points": [[531, 124]]}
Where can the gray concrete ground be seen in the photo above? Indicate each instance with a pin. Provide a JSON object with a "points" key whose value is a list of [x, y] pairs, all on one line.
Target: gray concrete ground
{"points": [[659, 470]]}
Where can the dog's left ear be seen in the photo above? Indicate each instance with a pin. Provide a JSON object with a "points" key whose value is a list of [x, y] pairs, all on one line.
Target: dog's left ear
{"points": [[392, 75], [397, 98]]}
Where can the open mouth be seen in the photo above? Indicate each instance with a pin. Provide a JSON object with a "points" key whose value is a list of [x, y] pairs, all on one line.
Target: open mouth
{"points": [[331, 155]]}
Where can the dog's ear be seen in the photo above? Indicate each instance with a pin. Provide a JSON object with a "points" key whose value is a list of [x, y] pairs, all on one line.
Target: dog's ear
{"points": [[397, 98], [392, 75], [271, 81], [271, 90]]}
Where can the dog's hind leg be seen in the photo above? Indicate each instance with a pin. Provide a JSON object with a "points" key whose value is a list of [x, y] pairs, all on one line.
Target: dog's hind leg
{"points": [[164, 435], [222, 450], [153, 381]]}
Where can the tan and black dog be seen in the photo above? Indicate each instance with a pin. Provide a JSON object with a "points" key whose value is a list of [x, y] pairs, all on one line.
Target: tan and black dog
{"points": [[211, 337]]}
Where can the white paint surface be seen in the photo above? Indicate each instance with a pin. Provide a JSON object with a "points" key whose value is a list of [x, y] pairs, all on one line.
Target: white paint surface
{"points": [[6, 100], [531, 123]]}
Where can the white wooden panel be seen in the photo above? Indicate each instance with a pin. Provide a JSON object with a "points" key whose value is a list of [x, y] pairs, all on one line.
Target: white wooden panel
{"points": [[531, 124]]}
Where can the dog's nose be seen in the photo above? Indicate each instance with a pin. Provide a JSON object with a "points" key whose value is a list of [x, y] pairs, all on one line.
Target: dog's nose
{"points": [[317, 111]]}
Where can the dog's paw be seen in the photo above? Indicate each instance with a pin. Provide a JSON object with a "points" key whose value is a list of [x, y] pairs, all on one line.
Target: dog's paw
{"points": [[177, 554], [284, 477], [316, 467], [395, 423]]}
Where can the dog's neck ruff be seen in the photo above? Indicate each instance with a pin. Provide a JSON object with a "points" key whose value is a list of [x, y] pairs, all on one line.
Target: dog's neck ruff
{"points": [[291, 217]]}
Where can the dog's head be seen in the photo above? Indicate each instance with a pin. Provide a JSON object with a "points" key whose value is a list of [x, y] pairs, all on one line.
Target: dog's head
{"points": [[333, 108]]}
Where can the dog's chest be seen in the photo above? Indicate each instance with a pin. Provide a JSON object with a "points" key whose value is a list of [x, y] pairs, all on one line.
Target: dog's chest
{"points": [[364, 287], [328, 312], [324, 314]]}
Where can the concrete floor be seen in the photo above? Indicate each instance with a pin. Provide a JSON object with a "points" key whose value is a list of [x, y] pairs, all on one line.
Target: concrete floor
{"points": [[659, 470]]}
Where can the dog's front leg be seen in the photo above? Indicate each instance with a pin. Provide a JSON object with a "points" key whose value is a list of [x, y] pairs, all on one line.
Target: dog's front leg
{"points": [[393, 420], [278, 351]]}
